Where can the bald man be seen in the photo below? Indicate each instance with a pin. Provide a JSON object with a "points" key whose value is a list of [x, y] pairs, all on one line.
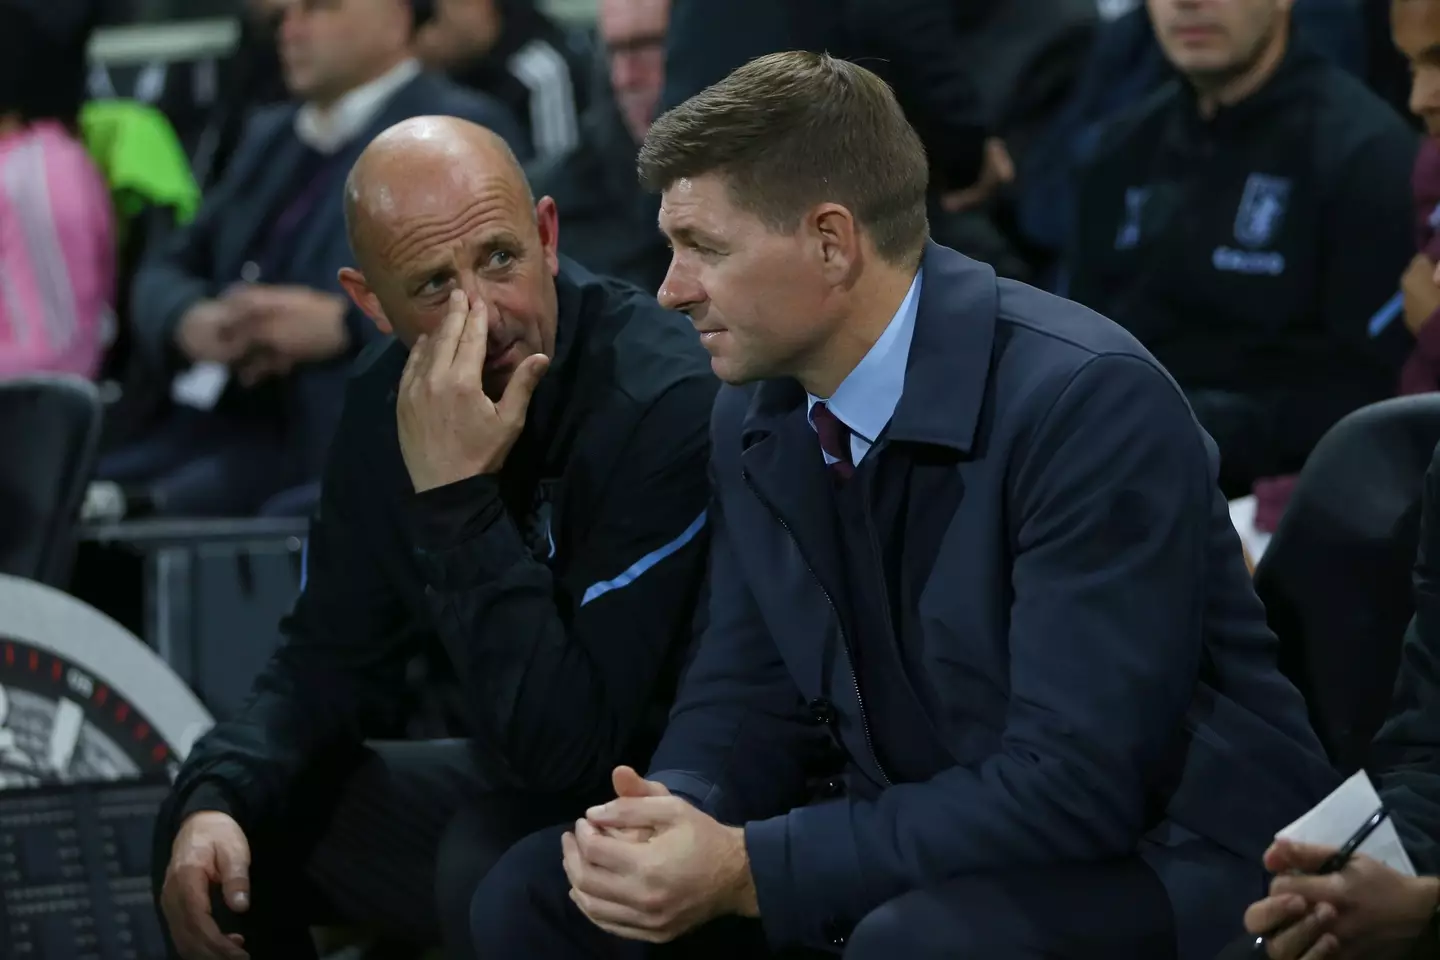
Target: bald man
{"points": [[519, 479]]}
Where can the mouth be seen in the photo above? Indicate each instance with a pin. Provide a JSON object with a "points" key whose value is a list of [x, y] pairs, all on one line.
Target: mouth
{"points": [[500, 358], [1195, 33]]}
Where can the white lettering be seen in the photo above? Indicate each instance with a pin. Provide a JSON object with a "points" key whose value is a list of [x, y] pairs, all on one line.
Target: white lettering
{"points": [[1266, 264]]}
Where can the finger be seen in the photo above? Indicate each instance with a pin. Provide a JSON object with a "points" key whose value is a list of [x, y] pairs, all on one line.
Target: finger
{"points": [[1329, 887], [1286, 855], [516, 400], [962, 200], [191, 922], [1326, 946], [416, 362], [470, 348], [233, 861], [572, 859], [1272, 913], [620, 930], [1293, 942], [447, 338], [601, 909], [637, 812], [603, 852], [628, 783]]}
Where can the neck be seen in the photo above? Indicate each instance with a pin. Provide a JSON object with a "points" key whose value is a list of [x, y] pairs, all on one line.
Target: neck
{"points": [[327, 100], [874, 300], [1230, 90]]}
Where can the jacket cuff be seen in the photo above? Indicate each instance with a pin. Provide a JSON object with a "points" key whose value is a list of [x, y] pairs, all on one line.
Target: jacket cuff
{"points": [[687, 786], [207, 795], [462, 534], [787, 855]]}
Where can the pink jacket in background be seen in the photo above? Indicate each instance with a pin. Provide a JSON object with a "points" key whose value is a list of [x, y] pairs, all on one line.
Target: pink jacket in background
{"points": [[57, 254]]}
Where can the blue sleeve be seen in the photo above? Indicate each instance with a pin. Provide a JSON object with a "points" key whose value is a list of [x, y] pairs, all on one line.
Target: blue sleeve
{"points": [[1111, 494]]}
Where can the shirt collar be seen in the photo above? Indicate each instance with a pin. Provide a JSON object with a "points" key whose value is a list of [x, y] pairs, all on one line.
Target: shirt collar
{"points": [[329, 129], [866, 398]]}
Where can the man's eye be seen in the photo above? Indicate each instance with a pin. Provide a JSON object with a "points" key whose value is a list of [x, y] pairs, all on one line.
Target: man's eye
{"points": [[501, 258], [434, 285]]}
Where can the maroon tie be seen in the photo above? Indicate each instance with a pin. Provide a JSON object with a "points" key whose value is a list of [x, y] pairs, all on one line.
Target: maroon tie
{"points": [[834, 440]]}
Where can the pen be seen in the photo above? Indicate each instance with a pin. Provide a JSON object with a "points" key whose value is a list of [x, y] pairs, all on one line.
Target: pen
{"points": [[1333, 864]]}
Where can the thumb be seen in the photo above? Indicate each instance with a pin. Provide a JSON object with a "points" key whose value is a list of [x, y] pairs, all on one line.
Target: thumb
{"points": [[628, 783], [1285, 856], [636, 813], [513, 404], [232, 859]]}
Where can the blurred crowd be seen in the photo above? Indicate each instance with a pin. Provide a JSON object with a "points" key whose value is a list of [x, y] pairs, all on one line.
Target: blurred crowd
{"points": [[1240, 184]]}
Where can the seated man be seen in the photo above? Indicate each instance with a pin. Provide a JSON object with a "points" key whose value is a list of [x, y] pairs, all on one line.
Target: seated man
{"points": [[984, 674], [1245, 223], [513, 52], [247, 295], [549, 543]]}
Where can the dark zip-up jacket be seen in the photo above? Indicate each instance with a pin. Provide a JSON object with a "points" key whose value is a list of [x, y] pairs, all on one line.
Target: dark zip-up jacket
{"points": [[561, 590], [1249, 252]]}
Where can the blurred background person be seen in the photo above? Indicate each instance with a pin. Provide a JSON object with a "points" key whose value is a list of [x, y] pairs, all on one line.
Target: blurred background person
{"points": [[245, 303], [515, 53], [609, 220], [1246, 224], [57, 233]]}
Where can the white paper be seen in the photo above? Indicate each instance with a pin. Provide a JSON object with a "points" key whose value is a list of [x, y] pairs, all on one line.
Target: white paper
{"points": [[200, 386], [1336, 818]]}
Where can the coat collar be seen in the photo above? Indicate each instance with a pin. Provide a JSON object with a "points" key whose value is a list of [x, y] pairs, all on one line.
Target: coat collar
{"points": [[948, 368]]}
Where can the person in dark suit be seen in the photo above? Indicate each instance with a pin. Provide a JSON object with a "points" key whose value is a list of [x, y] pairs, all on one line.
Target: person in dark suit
{"points": [[984, 673], [246, 301]]}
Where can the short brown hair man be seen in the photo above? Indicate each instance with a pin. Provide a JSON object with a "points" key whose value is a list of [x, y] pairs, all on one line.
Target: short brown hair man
{"points": [[967, 554]]}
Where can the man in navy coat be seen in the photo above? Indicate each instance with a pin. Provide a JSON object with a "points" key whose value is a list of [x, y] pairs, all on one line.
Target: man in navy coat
{"points": [[984, 674]]}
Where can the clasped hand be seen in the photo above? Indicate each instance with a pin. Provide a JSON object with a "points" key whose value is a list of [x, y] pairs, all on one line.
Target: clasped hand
{"points": [[450, 429], [1366, 911], [649, 866]]}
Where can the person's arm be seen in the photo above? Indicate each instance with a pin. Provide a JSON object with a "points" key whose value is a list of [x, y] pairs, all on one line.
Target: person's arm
{"points": [[919, 39], [1406, 752], [1367, 243], [739, 739], [335, 680], [1112, 496], [176, 275], [560, 672]]}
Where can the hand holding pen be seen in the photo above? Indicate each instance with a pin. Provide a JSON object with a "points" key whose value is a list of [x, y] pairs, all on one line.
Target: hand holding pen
{"points": [[1337, 903]]}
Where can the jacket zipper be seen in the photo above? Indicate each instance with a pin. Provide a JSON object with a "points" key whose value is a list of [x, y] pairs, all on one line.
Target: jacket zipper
{"points": [[839, 625]]}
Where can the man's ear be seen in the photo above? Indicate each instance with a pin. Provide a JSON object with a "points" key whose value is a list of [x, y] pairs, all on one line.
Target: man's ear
{"points": [[547, 219], [359, 290]]}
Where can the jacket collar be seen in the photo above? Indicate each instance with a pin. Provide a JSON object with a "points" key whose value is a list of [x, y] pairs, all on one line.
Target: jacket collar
{"points": [[948, 366]]}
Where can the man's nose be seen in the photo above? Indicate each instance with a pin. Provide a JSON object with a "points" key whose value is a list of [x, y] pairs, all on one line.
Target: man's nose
{"points": [[679, 290]]}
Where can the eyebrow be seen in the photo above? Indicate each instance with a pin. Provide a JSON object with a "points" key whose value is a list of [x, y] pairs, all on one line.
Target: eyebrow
{"points": [[689, 236], [499, 240]]}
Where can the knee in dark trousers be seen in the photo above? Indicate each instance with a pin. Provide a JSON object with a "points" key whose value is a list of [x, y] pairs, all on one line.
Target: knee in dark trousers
{"points": [[522, 907], [1076, 912]]}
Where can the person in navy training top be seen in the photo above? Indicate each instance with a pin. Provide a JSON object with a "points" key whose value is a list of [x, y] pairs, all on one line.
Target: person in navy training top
{"points": [[517, 489], [985, 675]]}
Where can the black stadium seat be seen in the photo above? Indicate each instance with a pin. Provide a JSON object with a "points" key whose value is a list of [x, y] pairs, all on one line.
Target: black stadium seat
{"points": [[49, 432], [1336, 577]]}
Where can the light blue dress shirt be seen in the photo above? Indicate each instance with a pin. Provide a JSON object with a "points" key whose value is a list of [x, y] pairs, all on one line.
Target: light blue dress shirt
{"points": [[866, 399]]}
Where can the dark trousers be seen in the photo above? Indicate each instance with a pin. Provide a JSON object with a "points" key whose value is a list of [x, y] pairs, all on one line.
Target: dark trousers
{"points": [[395, 845], [1115, 911]]}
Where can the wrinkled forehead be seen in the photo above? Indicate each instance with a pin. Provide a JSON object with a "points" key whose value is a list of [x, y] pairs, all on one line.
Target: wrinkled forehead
{"points": [[415, 215]]}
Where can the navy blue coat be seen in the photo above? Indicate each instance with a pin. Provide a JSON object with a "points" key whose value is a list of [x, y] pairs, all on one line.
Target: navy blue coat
{"points": [[1101, 674]]}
